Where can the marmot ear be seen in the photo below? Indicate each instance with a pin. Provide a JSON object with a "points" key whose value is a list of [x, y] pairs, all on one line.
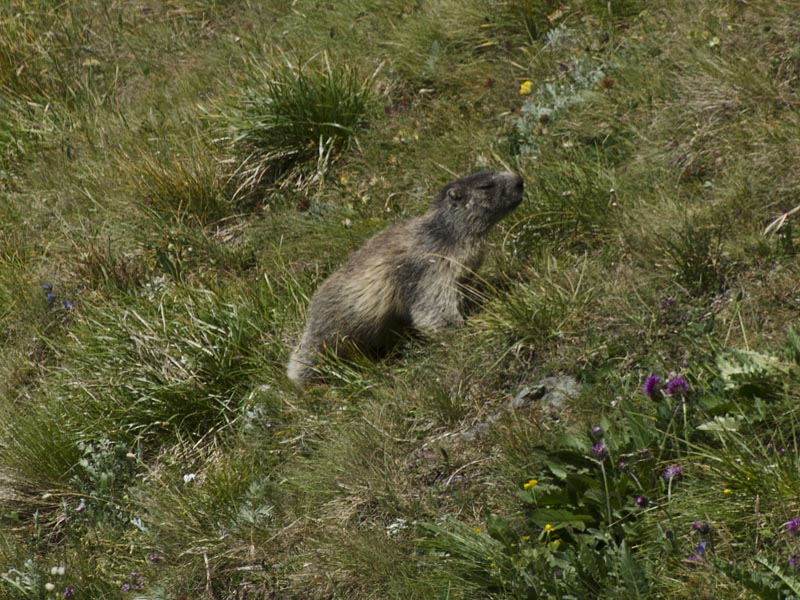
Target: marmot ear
{"points": [[453, 194]]}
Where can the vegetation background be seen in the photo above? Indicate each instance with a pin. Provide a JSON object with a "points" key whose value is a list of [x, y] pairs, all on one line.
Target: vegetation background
{"points": [[177, 177]]}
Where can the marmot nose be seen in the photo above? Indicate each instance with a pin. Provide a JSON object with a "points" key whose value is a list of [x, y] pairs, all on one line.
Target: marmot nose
{"points": [[515, 182]]}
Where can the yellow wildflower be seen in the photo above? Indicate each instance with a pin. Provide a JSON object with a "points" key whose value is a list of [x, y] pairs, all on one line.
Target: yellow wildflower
{"points": [[526, 87], [529, 484], [526, 538], [477, 530], [548, 528], [727, 491]]}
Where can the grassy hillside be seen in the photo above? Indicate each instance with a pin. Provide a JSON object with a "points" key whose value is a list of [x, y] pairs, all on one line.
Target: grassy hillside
{"points": [[176, 178]]}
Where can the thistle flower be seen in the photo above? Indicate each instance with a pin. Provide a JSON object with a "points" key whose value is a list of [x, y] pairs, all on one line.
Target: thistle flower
{"points": [[701, 527], [651, 385], [675, 473], [642, 501], [793, 526], [598, 432], [677, 386], [794, 562], [600, 450]]}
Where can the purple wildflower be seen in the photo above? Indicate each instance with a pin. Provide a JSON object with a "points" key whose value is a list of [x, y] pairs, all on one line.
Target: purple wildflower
{"points": [[67, 304], [642, 501], [69, 592], [51, 297], [694, 558], [698, 553], [598, 432], [137, 580], [645, 453], [622, 465], [47, 287], [701, 527], [677, 386], [793, 526], [600, 450], [125, 587], [673, 472], [154, 557], [651, 385], [794, 562]]}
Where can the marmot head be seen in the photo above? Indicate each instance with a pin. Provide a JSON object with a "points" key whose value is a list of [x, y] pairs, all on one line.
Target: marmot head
{"points": [[475, 203]]}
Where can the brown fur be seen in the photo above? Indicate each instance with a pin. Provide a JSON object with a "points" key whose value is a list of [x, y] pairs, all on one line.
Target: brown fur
{"points": [[408, 275]]}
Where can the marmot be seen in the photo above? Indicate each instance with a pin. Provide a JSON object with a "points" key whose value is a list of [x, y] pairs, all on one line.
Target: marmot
{"points": [[408, 275]]}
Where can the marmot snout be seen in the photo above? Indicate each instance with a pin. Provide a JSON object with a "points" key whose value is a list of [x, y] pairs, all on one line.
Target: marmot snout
{"points": [[408, 275]]}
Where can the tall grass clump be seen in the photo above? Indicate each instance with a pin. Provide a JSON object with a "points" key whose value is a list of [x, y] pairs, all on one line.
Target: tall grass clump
{"points": [[183, 183], [550, 305], [292, 119], [575, 205], [539, 17], [145, 368], [697, 256]]}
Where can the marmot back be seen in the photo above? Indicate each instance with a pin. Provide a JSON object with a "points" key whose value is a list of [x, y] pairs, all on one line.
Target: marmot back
{"points": [[408, 275]]}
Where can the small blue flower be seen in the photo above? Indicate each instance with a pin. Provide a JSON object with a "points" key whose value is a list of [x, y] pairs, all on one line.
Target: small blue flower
{"points": [[47, 287], [51, 297], [67, 304]]}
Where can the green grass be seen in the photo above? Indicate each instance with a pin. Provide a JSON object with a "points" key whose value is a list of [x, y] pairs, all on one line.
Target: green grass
{"points": [[182, 176]]}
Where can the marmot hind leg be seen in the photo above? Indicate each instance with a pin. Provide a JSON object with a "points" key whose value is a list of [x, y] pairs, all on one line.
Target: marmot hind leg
{"points": [[300, 369]]}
